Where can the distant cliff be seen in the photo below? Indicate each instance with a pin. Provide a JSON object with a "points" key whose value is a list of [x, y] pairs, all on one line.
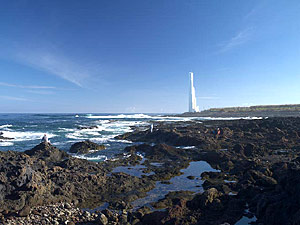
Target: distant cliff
{"points": [[259, 111]]}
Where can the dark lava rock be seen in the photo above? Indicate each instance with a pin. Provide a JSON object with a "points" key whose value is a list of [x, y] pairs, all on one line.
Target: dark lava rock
{"points": [[120, 205], [25, 211], [173, 198], [211, 207], [47, 152], [162, 136], [85, 147], [209, 198], [86, 127], [257, 160], [46, 175]]}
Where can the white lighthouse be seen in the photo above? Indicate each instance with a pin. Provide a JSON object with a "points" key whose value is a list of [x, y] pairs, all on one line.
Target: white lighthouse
{"points": [[192, 97]]}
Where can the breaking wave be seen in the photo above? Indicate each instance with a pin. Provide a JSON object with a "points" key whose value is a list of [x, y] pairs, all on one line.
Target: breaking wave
{"points": [[91, 158], [25, 136], [139, 116], [103, 131], [120, 116], [6, 143], [5, 126]]}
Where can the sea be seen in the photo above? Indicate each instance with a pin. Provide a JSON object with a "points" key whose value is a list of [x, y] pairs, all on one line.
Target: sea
{"points": [[63, 130]]}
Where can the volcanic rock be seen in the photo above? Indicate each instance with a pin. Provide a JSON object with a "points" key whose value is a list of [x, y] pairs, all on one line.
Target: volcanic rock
{"points": [[85, 147], [47, 152], [86, 127]]}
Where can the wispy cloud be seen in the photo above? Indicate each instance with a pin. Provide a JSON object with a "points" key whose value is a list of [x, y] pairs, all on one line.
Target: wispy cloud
{"points": [[251, 13], [12, 98], [26, 86], [237, 40], [41, 92], [56, 64], [256, 9]]}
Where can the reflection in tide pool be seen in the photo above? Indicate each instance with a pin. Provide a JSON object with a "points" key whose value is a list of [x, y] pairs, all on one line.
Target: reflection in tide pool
{"points": [[178, 183], [245, 220], [132, 170]]}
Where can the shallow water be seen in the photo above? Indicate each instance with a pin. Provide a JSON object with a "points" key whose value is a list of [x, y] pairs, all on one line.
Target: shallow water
{"points": [[246, 220], [178, 183], [132, 170]]}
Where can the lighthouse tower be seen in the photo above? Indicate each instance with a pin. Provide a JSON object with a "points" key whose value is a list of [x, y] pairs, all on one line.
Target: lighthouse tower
{"points": [[192, 97]]}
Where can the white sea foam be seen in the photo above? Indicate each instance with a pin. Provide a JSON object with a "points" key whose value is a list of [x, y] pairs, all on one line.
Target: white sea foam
{"points": [[99, 133], [121, 141], [25, 136], [5, 126], [140, 116], [103, 139], [81, 134], [57, 143], [6, 143], [186, 147], [120, 116], [74, 135], [65, 129], [126, 155], [99, 157]]}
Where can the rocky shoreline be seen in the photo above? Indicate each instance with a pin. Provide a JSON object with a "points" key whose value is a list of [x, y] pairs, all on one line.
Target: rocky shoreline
{"points": [[256, 164], [221, 114]]}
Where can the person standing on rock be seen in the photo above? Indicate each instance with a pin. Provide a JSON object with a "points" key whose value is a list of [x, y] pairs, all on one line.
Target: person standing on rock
{"points": [[151, 127], [45, 139]]}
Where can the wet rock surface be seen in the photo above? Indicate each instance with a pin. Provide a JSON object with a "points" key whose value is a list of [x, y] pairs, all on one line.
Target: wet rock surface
{"points": [[257, 166], [86, 127]]}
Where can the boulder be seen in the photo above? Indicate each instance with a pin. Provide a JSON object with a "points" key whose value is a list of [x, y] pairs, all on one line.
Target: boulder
{"points": [[210, 195], [86, 127], [208, 200], [262, 179], [85, 147], [47, 152], [102, 219]]}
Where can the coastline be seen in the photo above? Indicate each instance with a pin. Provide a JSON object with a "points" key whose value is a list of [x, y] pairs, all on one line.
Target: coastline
{"points": [[246, 114], [251, 162]]}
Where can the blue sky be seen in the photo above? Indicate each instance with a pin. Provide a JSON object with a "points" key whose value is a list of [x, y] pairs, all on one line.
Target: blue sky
{"points": [[135, 56]]}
